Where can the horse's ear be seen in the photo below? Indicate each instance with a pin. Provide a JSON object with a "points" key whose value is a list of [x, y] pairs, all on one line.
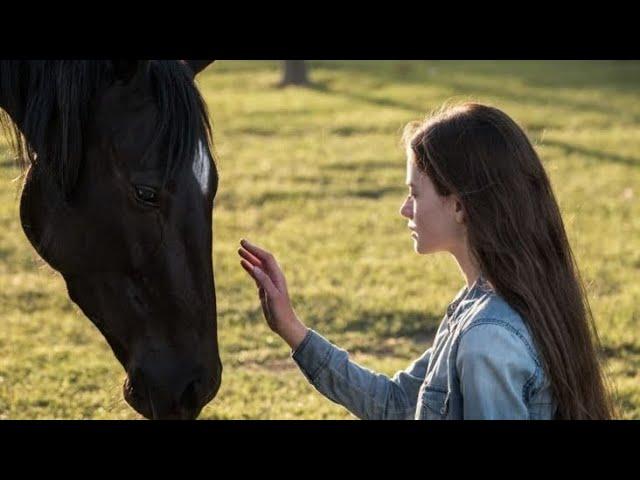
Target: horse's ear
{"points": [[197, 66], [129, 71]]}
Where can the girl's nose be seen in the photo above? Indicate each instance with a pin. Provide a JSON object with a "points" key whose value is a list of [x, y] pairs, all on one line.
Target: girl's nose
{"points": [[406, 210]]}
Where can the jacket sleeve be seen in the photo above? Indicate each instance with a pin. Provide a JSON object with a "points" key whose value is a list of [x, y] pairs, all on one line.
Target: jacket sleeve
{"points": [[366, 394]]}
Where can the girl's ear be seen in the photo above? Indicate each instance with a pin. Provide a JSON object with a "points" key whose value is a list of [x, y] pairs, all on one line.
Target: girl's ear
{"points": [[458, 211]]}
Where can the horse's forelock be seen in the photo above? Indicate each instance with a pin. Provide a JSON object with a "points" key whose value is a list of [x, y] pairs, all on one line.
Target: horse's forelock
{"points": [[60, 97]]}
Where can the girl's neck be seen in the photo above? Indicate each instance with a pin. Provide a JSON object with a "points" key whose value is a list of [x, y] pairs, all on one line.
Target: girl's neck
{"points": [[470, 270]]}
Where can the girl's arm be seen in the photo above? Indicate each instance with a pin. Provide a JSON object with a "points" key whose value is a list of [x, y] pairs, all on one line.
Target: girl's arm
{"points": [[365, 393]]}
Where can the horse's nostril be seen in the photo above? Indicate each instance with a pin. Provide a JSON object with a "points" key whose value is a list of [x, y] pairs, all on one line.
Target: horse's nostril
{"points": [[164, 396]]}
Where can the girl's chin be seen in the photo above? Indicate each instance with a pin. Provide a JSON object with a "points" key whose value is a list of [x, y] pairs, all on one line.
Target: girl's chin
{"points": [[421, 248]]}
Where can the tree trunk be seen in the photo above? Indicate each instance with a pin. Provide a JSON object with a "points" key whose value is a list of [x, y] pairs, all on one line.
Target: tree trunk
{"points": [[295, 73]]}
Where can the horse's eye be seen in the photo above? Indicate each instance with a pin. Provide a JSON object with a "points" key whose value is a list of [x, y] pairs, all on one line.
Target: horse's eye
{"points": [[146, 194]]}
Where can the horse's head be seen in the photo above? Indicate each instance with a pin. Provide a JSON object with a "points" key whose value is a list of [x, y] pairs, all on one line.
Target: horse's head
{"points": [[119, 200]]}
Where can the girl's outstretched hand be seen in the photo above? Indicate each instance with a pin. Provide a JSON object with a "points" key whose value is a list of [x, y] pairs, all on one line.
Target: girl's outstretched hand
{"points": [[272, 291]]}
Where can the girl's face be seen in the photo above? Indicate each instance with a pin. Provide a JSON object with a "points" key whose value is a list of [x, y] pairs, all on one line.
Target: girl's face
{"points": [[436, 223]]}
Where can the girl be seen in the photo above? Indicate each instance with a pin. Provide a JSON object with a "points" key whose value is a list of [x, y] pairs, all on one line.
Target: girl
{"points": [[518, 341]]}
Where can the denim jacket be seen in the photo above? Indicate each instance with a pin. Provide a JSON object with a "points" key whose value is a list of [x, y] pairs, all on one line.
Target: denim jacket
{"points": [[482, 365]]}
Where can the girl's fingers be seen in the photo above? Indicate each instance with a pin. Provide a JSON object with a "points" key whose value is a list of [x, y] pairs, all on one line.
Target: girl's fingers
{"points": [[250, 257], [249, 269], [266, 257], [262, 279], [264, 260], [265, 282]]}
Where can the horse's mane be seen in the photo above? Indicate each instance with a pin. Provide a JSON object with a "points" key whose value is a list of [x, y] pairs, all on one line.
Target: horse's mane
{"points": [[60, 95]]}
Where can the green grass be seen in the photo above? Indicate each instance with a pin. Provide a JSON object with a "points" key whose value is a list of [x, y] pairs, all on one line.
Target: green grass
{"points": [[317, 176]]}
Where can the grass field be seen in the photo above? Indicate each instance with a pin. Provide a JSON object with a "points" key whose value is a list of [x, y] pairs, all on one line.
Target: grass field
{"points": [[317, 176]]}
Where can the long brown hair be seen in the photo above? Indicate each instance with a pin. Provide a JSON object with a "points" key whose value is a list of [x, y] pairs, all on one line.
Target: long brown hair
{"points": [[516, 235]]}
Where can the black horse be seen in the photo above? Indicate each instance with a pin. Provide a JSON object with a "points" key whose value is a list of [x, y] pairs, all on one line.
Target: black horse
{"points": [[118, 198]]}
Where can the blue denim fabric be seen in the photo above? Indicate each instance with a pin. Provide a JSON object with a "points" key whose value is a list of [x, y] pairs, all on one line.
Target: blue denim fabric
{"points": [[482, 365]]}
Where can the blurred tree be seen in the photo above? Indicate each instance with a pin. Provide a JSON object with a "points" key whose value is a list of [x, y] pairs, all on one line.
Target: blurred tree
{"points": [[294, 73]]}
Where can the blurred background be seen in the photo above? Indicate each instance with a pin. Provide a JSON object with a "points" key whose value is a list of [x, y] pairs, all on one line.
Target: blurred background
{"points": [[311, 167]]}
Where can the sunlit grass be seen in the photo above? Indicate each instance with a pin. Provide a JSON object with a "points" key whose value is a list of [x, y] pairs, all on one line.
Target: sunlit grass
{"points": [[316, 175]]}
